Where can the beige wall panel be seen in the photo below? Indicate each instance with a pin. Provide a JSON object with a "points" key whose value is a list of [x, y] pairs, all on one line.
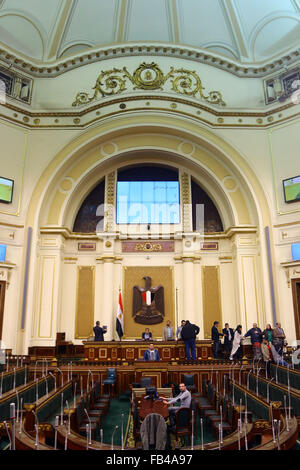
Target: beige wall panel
{"points": [[198, 299], [134, 276], [250, 298], [85, 301], [68, 300], [211, 298], [46, 304], [228, 294]]}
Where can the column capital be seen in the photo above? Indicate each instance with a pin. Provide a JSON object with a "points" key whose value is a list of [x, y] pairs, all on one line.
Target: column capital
{"points": [[109, 259]]}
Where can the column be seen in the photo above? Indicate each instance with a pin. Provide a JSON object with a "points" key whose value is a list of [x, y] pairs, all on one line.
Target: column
{"points": [[198, 296], [228, 292], [107, 314], [188, 289]]}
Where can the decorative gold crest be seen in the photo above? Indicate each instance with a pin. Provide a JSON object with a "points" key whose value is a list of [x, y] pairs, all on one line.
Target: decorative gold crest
{"points": [[149, 77]]}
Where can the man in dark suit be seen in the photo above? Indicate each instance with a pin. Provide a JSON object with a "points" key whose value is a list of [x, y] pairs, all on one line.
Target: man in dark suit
{"points": [[228, 338], [215, 336], [99, 332], [188, 334]]}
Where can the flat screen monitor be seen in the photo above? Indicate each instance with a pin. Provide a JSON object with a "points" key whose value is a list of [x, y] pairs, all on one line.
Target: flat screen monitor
{"points": [[291, 189], [6, 190], [295, 251], [2, 253]]}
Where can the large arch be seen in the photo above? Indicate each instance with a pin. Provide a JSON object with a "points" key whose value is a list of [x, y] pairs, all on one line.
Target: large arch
{"points": [[218, 167]]}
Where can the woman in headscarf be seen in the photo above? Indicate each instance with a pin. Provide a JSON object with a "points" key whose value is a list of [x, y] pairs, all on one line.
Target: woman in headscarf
{"points": [[236, 350], [268, 333]]}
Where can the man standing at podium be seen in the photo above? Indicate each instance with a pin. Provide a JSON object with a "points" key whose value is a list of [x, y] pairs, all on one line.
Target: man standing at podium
{"points": [[99, 332]]}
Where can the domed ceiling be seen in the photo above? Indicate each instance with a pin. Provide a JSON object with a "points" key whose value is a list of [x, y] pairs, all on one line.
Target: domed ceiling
{"points": [[247, 31]]}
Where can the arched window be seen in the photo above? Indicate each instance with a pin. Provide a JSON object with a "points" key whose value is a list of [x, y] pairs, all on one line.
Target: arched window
{"points": [[87, 219], [148, 194], [212, 219]]}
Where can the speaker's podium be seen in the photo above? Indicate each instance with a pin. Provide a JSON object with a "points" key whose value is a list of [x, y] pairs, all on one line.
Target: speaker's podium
{"points": [[63, 347]]}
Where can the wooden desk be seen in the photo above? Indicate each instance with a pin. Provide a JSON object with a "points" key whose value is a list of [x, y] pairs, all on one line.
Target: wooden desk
{"points": [[149, 406], [106, 351]]}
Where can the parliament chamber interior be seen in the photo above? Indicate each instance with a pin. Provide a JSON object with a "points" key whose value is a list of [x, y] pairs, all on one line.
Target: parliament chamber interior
{"points": [[149, 225]]}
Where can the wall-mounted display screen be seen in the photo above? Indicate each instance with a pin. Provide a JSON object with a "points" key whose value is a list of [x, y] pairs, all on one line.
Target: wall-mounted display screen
{"points": [[6, 190], [295, 251], [148, 202], [291, 189], [2, 253]]}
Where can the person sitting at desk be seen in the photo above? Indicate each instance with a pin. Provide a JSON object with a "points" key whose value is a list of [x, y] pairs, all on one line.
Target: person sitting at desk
{"points": [[184, 398], [99, 332], [151, 354], [147, 335]]}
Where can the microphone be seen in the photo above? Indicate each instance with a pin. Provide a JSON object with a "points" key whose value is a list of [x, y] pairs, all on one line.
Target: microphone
{"points": [[50, 373], [69, 427], [35, 366], [268, 389], [36, 430], [55, 434], [62, 377], [90, 426], [87, 427], [248, 378], [12, 407], [17, 397], [6, 428], [112, 437], [37, 390], [122, 432], [92, 378], [192, 439], [21, 416], [240, 375], [62, 410]]}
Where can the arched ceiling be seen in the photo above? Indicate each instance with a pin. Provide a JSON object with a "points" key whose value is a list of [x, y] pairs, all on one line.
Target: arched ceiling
{"points": [[248, 31]]}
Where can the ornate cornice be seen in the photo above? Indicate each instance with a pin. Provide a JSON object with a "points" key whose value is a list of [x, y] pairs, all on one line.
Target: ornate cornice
{"points": [[67, 234], [46, 70], [186, 107]]}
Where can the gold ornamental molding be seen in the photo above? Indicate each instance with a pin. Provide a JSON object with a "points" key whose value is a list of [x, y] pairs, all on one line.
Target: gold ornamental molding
{"points": [[185, 106], [146, 246], [149, 77]]}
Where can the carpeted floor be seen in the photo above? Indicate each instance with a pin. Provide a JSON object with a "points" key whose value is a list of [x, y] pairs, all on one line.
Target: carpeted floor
{"points": [[114, 418]]}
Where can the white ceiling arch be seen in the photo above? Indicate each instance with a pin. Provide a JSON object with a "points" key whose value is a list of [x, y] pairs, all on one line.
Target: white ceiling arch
{"points": [[232, 28]]}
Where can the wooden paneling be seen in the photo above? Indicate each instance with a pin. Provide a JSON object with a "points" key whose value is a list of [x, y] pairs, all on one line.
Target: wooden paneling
{"points": [[134, 350], [296, 303]]}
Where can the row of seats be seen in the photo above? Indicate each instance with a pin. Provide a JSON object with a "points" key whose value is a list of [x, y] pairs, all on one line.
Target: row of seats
{"points": [[96, 406], [209, 408]]}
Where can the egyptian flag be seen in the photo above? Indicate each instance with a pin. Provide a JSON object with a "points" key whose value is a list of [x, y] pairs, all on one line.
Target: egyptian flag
{"points": [[120, 318]]}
